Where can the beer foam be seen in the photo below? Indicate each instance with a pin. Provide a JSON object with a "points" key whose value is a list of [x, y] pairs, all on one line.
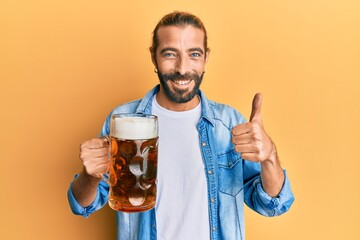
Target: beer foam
{"points": [[133, 128]]}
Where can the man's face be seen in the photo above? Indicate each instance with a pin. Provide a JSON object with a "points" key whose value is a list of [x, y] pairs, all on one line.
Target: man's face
{"points": [[180, 59]]}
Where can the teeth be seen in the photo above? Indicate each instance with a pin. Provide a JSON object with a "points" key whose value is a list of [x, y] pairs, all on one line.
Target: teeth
{"points": [[183, 82]]}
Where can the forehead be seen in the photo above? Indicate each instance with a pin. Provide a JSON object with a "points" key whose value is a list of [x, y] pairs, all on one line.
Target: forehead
{"points": [[180, 36]]}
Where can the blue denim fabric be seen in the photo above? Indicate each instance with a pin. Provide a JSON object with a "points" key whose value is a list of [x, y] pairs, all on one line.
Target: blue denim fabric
{"points": [[231, 181]]}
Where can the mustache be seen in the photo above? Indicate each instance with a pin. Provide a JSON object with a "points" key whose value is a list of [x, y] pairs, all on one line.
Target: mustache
{"points": [[177, 76]]}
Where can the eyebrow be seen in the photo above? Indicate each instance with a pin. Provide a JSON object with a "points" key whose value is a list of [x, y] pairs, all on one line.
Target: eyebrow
{"points": [[175, 50], [168, 49], [196, 50]]}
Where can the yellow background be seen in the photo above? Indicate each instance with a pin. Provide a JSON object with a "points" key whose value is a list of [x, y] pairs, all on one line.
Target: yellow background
{"points": [[65, 64]]}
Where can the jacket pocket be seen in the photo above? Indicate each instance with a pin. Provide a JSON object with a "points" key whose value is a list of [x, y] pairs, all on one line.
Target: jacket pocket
{"points": [[230, 173]]}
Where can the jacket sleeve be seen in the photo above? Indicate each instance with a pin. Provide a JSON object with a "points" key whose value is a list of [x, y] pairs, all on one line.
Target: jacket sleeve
{"points": [[100, 200], [102, 190], [258, 200]]}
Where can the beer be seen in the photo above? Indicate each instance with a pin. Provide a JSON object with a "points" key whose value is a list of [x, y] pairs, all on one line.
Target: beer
{"points": [[133, 163], [133, 174]]}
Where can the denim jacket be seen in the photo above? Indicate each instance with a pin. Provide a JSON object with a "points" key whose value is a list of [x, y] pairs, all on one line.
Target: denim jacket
{"points": [[231, 181]]}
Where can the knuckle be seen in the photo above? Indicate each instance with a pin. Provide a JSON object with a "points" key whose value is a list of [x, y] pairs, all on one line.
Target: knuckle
{"points": [[90, 172], [252, 127], [257, 146], [87, 165], [83, 155], [253, 136], [82, 146], [255, 127], [258, 137]]}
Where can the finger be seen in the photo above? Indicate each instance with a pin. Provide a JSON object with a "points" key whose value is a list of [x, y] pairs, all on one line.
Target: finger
{"points": [[98, 170], [94, 153], [243, 139], [101, 162], [95, 143], [246, 128], [241, 129], [96, 162], [246, 148], [256, 107], [253, 157]]}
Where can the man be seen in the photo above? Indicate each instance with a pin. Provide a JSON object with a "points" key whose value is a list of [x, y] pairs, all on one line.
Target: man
{"points": [[210, 160]]}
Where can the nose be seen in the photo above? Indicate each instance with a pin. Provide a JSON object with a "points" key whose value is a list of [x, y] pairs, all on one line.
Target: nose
{"points": [[182, 65]]}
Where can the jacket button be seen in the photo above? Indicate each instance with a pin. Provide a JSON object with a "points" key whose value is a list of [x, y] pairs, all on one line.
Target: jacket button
{"points": [[210, 172], [203, 144], [212, 200]]}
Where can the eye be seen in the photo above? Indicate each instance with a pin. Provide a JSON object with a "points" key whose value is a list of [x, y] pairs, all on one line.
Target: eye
{"points": [[169, 55], [195, 55]]}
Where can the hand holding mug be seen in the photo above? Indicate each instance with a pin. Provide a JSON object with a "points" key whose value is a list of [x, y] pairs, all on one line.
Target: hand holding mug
{"points": [[94, 155]]}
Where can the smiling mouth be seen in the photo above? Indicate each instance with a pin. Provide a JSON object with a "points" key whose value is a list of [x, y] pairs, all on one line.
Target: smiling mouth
{"points": [[182, 82]]}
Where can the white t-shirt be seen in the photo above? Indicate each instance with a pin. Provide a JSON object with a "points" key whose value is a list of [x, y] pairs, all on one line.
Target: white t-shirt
{"points": [[182, 203]]}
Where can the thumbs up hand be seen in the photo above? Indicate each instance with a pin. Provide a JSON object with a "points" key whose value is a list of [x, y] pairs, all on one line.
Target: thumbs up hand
{"points": [[251, 140]]}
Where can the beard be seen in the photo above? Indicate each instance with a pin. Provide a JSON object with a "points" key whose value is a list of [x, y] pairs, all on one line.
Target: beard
{"points": [[180, 95]]}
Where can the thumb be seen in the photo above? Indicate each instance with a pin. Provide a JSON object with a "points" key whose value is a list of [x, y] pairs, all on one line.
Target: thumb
{"points": [[256, 107]]}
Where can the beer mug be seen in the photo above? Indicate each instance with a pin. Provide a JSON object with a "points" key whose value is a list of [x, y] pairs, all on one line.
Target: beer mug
{"points": [[133, 162]]}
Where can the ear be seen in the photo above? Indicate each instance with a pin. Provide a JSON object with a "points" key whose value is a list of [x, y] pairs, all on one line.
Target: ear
{"points": [[153, 55], [207, 55]]}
